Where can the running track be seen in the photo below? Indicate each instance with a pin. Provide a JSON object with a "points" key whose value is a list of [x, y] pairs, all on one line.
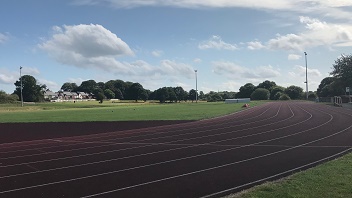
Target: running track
{"points": [[207, 158]]}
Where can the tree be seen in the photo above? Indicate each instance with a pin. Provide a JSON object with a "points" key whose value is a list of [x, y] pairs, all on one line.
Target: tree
{"points": [[67, 86], [161, 94], [99, 97], [294, 92], [31, 91], [180, 93], [136, 91], [329, 87], [245, 91], [227, 95], [260, 94], [213, 97], [201, 95], [192, 94], [284, 97], [342, 71], [6, 98], [267, 85], [109, 94], [171, 94], [88, 86], [275, 90], [101, 85]]}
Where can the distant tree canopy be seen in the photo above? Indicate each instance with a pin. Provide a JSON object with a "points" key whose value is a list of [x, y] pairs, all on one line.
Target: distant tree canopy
{"points": [[6, 98], [330, 87], [260, 94], [275, 90], [69, 86], [31, 90], [118, 89], [342, 71], [341, 78], [246, 91], [294, 92], [267, 85]]}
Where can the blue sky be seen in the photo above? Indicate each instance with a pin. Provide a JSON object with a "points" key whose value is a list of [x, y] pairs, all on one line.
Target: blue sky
{"points": [[161, 42]]}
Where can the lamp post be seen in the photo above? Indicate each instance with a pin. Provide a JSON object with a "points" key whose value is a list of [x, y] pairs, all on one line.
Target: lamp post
{"points": [[21, 86], [196, 87], [305, 55]]}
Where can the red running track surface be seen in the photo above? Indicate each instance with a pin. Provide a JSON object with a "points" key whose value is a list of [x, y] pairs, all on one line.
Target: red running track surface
{"points": [[207, 158]]}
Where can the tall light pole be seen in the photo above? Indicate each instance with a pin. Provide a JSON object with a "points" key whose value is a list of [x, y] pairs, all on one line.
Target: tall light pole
{"points": [[196, 86], [21, 86], [305, 55]]}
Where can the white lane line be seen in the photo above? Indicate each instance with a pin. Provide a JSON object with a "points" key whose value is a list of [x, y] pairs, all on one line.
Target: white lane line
{"points": [[143, 144], [223, 122], [190, 157], [212, 168], [132, 131], [152, 145], [64, 140], [209, 169], [278, 175]]}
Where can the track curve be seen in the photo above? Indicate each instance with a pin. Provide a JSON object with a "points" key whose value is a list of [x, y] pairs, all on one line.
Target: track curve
{"points": [[207, 158]]}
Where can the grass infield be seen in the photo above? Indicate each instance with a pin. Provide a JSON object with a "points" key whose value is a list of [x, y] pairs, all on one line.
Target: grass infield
{"points": [[331, 179], [121, 111]]}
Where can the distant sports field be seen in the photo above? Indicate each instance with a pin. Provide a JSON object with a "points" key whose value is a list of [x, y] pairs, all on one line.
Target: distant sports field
{"points": [[121, 111]]}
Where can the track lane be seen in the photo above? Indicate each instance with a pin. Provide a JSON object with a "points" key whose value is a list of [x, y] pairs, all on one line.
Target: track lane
{"points": [[248, 152]]}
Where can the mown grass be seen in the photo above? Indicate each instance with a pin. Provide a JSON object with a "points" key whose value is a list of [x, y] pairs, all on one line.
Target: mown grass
{"points": [[330, 180], [123, 111]]}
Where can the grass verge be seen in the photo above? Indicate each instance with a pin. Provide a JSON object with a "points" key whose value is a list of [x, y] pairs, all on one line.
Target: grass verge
{"points": [[92, 111], [331, 179]]}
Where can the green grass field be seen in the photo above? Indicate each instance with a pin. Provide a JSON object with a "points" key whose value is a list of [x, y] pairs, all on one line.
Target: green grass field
{"points": [[108, 111], [330, 180]]}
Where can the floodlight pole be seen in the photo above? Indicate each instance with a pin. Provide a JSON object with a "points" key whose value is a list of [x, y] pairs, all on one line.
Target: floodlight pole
{"points": [[196, 87], [21, 86], [305, 55]]}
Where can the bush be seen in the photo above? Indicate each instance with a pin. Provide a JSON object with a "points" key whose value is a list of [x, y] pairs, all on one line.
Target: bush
{"points": [[277, 96], [6, 98], [284, 97], [260, 94]]}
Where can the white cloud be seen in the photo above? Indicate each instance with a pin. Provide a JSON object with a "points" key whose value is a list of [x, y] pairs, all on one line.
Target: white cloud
{"points": [[10, 77], [176, 69], [269, 4], [231, 86], [294, 57], [3, 38], [301, 71], [255, 45], [328, 8], [232, 70], [157, 53], [317, 33], [215, 42], [85, 45], [30, 71], [49, 84], [197, 60], [7, 78]]}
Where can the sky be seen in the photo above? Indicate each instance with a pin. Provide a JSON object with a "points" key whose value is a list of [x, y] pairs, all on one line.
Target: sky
{"points": [[161, 43]]}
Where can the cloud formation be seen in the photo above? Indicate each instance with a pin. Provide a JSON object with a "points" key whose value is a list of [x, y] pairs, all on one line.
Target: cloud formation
{"points": [[3, 38], [215, 42], [82, 44], [294, 57], [232, 70], [317, 33]]}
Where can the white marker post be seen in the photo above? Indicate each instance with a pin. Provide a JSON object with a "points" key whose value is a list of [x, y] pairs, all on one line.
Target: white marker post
{"points": [[349, 94]]}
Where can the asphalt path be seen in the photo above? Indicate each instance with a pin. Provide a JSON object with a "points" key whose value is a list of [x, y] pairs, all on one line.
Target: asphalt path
{"points": [[207, 158]]}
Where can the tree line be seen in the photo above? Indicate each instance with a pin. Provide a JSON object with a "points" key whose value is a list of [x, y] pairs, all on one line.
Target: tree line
{"points": [[341, 77]]}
